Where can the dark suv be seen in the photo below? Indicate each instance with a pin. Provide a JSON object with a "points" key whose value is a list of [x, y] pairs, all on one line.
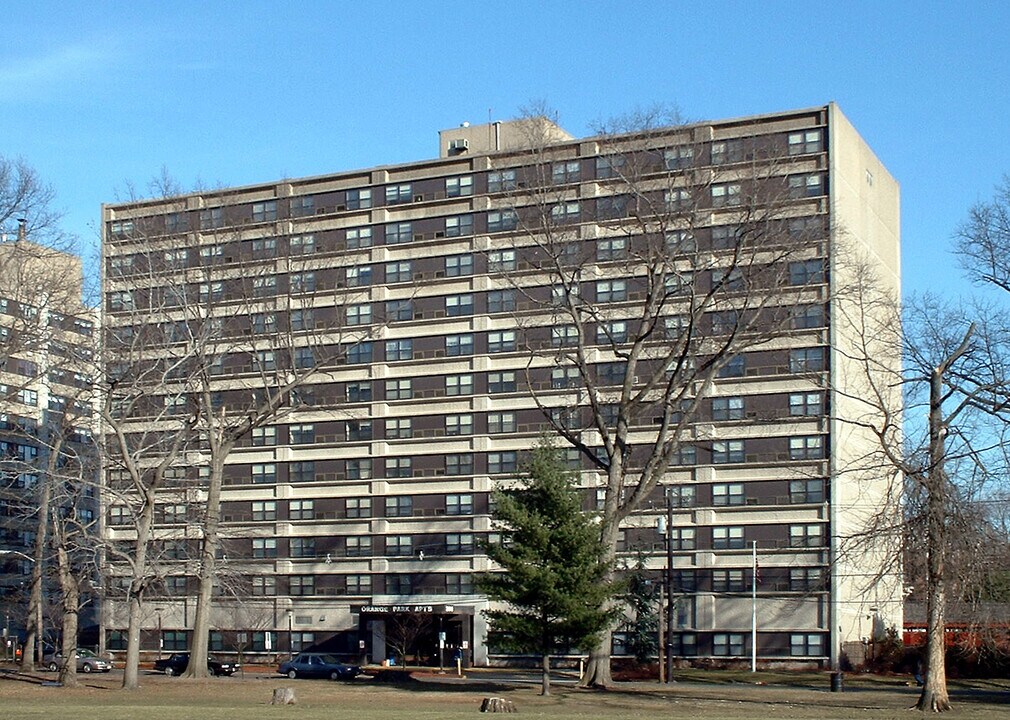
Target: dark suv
{"points": [[318, 665], [176, 664]]}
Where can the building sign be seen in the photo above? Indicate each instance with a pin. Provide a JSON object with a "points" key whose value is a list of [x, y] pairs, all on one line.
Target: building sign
{"points": [[418, 609]]}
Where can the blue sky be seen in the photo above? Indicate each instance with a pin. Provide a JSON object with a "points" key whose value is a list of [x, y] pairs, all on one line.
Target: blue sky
{"points": [[102, 94]]}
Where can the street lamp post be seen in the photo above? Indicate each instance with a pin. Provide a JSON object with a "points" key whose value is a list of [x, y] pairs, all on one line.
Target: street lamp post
{"points": [[665, 528], [161, 635], [38, 610], [291, 635]]}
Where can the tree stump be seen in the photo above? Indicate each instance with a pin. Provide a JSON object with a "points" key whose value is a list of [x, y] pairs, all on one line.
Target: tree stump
{"points": [[284, 696], [496, 704]]}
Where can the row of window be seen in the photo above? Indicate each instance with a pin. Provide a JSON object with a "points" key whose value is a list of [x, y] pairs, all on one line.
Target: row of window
{"points": [[686, 644]]}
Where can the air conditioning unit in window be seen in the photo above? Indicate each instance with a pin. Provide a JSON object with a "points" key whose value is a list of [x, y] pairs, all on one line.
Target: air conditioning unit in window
{"points": [[459, 145]]}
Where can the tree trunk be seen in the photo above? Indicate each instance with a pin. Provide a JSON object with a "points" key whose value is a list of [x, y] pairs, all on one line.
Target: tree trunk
{"points": [[598, 673], [71, 598], [545, 674], [33, 619], [199, 649], [934, 695], [131, 671]]}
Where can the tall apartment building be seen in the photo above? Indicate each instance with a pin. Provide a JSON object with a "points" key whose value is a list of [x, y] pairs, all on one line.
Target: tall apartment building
{"points": [[452, 310], [45, 408]]}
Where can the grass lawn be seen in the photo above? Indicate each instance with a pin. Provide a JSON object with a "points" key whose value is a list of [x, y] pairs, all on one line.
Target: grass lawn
{"points": [[711, 695]]}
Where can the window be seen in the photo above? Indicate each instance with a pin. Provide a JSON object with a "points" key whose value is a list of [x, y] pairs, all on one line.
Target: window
{"points": [[264, 247], [398, 272], [728, 451], [119, 515], [457, 345], [398, 467], [359, 469], [679, 282], [501, 341], [502, 220], [304, 471], [459, 504], [805, 644], [679, 199], [728, 581], [806, 360], [611, 290], [727, 151], [359, 276], [358, 199], [264, 473], [682, 538], [734, 367], [809, 447], [265, 360], [458, 583], [398, 233], [682, 496], [399, 389], [726, 195], [678, 157], [806, 579], [459, 424], [399, 545], [262, 436], [264, 585], [211, 218], [359, 237], [501, 422], [801, 143], [611, 249], [459, 226], [459, 385], [728, 280], [174, 640], [358, 546], [459, 464], [459, 544], [806, 491], [358, 508], [302, 319], [176, 222], [609, 166], [396, 194], [399, 506], [611, 373], [301, 509], [565, 172], [302, 282], [458, 265], [728, 538], [806, 272], [303, 547], [264, 548], [502, 462], [501, 382], [176, 258], [615, 331], [358, 430], [302, 584], [399, 349], [565, 212], [499, 301], [613, 206], [564, 335], [459, 305], [302, 206], [212, 254], [808, 316], [358, 391], [806, 404], [264, 211], [359, 353], [359, 314], [728, 644], [459, 186], [501, 260], [805, 185], [727, 494], [305, 357], [358, 584], [728, 408], [501, 180], [565, 377], [399, 428], [810, 535], [398, 585]]}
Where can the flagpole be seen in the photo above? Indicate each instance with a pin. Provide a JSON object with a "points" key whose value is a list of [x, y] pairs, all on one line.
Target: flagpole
{"points": [[753, 606]]}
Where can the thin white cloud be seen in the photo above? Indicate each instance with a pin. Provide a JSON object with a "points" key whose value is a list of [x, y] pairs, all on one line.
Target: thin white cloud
{"points": [[70, 62]]}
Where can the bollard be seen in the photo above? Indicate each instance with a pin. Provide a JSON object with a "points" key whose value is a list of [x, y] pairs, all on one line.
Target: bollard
{"points": [[836, 681]]}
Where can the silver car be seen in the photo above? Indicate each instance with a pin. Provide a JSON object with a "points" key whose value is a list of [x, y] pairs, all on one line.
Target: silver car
{"points": [[87, 661]]}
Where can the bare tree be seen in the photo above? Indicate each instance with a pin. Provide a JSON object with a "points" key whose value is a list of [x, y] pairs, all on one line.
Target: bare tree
{"points": [[692, 294]]}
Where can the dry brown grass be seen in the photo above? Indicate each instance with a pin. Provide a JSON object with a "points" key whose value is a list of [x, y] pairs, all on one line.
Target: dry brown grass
{"points": [[248, 698]]}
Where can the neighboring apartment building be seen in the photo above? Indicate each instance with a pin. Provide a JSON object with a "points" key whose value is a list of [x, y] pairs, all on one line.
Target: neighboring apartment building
{"points": [[430, 299], [45, 396]]}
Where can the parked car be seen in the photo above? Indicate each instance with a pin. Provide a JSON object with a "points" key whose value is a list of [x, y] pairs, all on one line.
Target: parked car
{"points": [[176, 664], [318, 665], [87, 661]]}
